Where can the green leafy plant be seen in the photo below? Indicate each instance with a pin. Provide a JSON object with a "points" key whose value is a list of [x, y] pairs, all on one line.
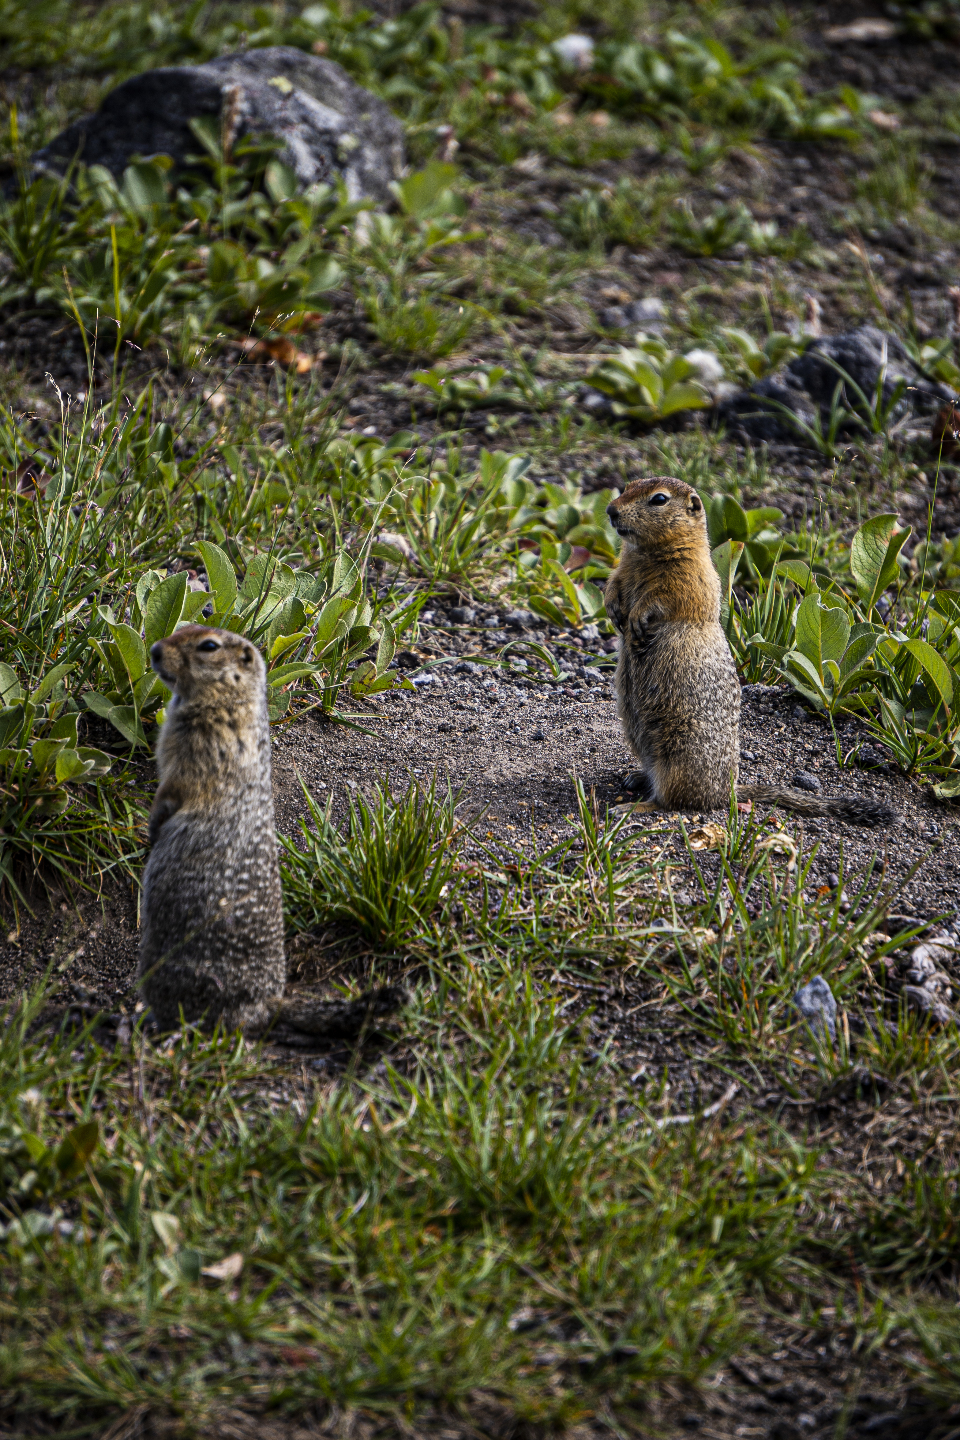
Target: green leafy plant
{"points": [[718, 231], [626, 214], [649, 383], [751, 536], [43, 818], [489, 387], [753, 361]]}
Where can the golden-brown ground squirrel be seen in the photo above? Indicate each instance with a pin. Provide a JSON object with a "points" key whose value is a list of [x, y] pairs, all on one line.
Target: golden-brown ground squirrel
{"points": [[211, 942], [677, 686]]}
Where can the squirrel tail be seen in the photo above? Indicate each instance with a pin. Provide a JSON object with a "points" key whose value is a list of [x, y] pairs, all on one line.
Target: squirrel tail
{"points": [[335, 1019], [855, 808]]}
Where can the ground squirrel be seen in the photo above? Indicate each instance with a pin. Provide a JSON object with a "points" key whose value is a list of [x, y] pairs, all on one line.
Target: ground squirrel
{"points": [[677, 686], [211, 943]]}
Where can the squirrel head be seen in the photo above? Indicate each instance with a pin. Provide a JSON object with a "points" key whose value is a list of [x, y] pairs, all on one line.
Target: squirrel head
{"points": [[658, 511], [213, 666]]}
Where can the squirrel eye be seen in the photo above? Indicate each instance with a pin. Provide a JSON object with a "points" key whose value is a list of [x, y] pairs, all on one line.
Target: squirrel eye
{"points": [[208, 645], [659, 498]]}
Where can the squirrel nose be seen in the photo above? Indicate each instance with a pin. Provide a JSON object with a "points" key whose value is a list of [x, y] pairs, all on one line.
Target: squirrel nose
{"points": [[156, 652]]}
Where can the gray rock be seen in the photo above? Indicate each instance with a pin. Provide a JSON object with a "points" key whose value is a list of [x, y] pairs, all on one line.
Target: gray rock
{"points": [[926, 1003], [648, 314], [519, 619], [803, 780], [868, 358], [329, 125], [468, 667], [818, 1007], [594, 401], [764, 411], [462, 615]]}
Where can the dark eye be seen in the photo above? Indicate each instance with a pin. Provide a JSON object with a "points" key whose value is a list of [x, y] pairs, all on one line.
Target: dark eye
{"points": [[207, 645], [658, 499]]}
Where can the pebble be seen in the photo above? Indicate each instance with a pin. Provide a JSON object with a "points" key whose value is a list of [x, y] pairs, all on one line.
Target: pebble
{"points": [[468, 667], [519, 619], [932, 955], [919, 998], [538, 735], [462, 615], [818, 1007], [798, 715], [747, 755], [805, 781]]}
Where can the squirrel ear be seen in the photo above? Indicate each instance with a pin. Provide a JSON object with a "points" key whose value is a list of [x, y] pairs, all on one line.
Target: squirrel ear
{"points": [[695, 505]]}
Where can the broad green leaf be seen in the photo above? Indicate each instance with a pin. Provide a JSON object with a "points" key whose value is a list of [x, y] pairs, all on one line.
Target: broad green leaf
{"points": [[366, 681], [726, 520], [420, 192], [799, 572], [726, 558], [122, 717], [361, 637], [283, 674], [52, 678], [99, 761], [857, 653], [44, 753], [936, 669], [164, 608], [10, 688], [193, 603], [762, 516], [283, 643], [387, 647], [12, 719], [268, 576], [132, 650], [147, 582], [65, 727], [76, 1148], [684, 396], [590, 598], [822, 632], [873, 557], [800, 668], [70, 765], [221, 576], [548, 611]]}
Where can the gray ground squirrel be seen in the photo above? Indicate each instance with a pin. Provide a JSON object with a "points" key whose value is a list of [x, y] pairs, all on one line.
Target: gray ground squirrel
{"points": [[211, 942], [677, 686]]}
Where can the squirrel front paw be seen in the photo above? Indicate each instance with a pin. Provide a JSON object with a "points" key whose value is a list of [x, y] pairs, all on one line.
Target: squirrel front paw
{"points": [[643, 622]]}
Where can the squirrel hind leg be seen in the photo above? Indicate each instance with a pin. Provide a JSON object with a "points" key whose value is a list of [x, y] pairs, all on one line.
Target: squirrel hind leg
{"points": [[638, 784]]}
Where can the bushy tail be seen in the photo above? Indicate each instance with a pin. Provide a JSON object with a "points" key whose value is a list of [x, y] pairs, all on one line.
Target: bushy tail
{"points": [[855, 808], [339, 1019]]}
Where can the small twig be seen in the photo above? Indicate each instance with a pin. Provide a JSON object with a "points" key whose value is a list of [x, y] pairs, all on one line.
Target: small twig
{"points": [[707, 1114]]}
